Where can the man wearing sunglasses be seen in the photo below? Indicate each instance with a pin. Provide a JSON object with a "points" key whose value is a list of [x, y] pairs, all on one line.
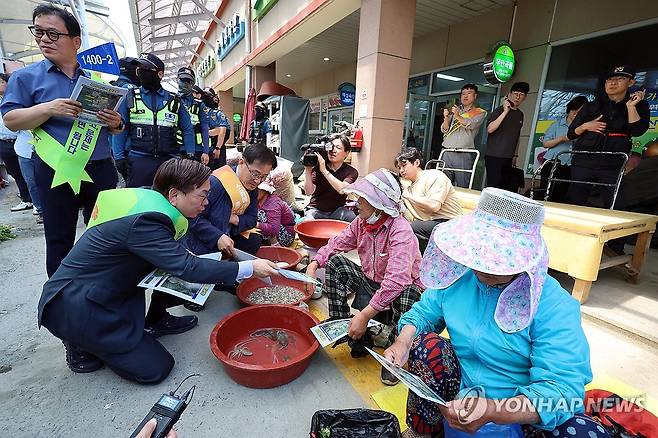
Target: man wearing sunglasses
{"points": [[37, 99], [232, 208]]}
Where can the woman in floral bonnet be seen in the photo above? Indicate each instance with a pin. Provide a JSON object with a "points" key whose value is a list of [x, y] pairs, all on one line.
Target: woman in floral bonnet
{"points": [[517, 352]]}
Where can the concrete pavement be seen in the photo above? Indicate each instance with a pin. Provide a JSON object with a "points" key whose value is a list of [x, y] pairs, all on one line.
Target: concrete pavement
{"points": [[41, 397]]}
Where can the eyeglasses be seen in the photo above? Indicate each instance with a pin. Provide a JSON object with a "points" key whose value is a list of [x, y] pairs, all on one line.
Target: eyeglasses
{"points": [[257, 176], [53, 35]]}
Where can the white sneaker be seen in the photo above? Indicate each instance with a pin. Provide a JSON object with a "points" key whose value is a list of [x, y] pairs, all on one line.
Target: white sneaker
{"points": [[35, 211], [21, 206]]}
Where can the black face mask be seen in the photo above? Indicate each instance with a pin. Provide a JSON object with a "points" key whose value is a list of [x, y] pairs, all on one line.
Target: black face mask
{"points": [[131, 74], [185, 87], [210, 102], [149, 79]]}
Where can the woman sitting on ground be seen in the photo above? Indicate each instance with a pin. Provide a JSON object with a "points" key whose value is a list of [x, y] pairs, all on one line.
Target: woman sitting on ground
{"points": [[388, 275], [276, 221], [428, 195], [515, 333]]}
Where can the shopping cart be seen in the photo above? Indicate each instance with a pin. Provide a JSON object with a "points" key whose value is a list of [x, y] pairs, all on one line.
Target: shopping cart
{"points": [[552, 179], [467, 170], [435, 164]]}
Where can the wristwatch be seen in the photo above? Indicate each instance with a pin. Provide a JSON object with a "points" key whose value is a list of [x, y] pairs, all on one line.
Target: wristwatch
{"points": [[120, 127]]}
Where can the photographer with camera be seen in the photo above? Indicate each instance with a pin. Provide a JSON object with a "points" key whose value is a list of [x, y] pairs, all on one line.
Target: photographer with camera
{"points": [[325, 178]]}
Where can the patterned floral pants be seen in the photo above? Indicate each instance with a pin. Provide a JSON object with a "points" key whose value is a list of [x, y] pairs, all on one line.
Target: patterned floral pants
{"points": [[433, 359]]}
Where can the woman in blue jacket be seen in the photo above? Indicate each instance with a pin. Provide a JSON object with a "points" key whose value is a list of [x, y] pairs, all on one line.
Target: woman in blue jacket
{"points": [[515, 335]]}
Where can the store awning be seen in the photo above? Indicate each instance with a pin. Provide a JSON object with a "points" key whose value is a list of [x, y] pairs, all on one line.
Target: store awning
{"points": [[172, 29]]}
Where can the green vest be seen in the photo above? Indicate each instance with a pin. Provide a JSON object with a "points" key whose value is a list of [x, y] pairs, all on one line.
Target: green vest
{"points": [[119, 203], [68, 160]]}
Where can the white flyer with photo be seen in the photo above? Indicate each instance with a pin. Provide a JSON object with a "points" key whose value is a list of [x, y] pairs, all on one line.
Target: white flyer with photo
{"points": [[294, 275], [329, 332], [197, 293], [412, 381], [95, 96]]}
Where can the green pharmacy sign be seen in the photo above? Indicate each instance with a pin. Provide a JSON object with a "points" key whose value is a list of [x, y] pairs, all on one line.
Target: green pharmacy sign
{"points": [[262, 7], [499, 64]]}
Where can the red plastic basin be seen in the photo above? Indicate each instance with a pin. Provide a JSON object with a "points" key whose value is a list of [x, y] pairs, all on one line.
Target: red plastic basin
{"points": [[316, 233], [280, 254], [248, 286], [260, 371]]}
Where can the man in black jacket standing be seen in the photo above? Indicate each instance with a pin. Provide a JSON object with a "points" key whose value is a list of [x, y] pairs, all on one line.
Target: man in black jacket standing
{"points": [[92, 302], [606, 125]]}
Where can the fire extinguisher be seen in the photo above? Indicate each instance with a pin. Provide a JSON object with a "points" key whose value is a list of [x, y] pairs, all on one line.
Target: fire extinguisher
{"points": [[356, 140]]}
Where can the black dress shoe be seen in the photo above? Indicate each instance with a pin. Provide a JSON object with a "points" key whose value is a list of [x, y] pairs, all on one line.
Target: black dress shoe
{"points": [[80, 361], [171, 325], [232, 289], [388, 378]]}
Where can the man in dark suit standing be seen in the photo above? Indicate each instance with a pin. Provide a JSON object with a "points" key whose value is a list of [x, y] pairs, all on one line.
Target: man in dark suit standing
{"points": [[92, 302]]}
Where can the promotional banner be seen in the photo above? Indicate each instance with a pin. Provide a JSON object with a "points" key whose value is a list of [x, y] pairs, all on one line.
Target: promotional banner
{"points": [[537, 149], [101, 58], [68, 160]]}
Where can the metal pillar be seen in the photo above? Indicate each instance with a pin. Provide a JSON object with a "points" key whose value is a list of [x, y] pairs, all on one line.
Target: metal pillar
{"points": [[247, 38], [79, 9]]}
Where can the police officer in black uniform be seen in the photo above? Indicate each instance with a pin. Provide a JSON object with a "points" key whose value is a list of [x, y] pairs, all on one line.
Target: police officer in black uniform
{"points": [[194, 105], [127, 79], [153, 115], [606, 125], [219, 128]]}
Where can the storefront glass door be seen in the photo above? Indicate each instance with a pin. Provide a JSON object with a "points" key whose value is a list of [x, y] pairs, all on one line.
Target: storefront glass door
{"points": [[345, 114], [421, 122]]}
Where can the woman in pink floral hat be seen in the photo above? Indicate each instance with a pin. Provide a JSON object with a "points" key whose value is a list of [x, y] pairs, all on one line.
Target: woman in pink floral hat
{"points": [[515, 334]]}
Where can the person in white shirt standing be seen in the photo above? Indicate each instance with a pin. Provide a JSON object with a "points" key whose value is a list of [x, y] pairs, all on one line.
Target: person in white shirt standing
{"points": [[26, 156], [8, 156]]}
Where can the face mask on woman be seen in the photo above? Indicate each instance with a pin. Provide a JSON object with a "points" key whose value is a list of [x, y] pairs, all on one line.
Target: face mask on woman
{"points": [[374, 217], [149, 79]]}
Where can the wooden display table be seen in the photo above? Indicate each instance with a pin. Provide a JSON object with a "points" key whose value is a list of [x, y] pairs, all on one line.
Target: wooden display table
{"points": [[575, 236]]}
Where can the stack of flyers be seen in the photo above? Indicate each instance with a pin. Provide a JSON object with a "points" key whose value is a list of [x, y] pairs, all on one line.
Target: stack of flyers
{"points": [[242, 256], [412, 381], [329, 332], [293, 275], [161, 281]]}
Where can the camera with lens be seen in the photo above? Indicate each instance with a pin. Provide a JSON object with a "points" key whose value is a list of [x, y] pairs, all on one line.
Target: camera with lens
{"points": [[322, 146]]}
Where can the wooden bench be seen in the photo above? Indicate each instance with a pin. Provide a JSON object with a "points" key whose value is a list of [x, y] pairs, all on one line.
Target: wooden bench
{"points": [[575, 237]]}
